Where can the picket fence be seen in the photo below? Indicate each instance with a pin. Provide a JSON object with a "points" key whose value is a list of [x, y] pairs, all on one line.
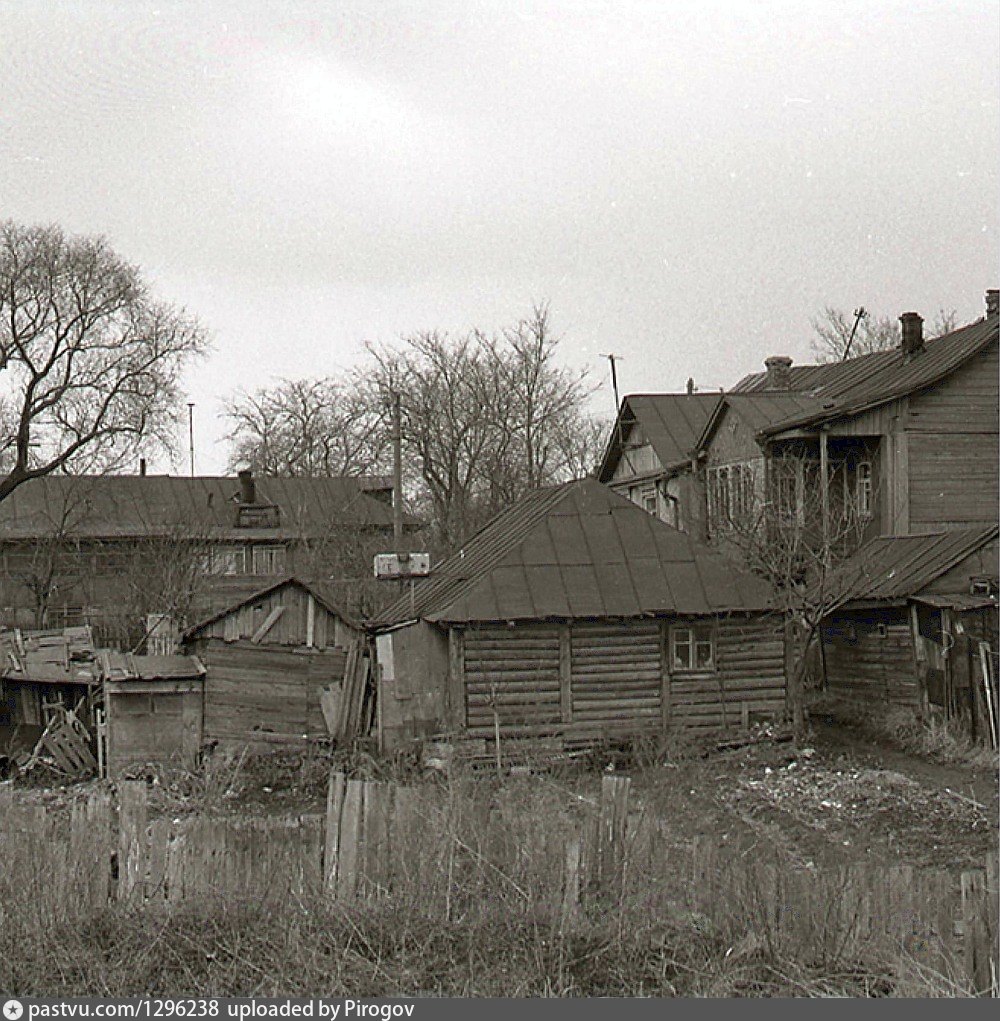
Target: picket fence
{"points": [[459, 849]]}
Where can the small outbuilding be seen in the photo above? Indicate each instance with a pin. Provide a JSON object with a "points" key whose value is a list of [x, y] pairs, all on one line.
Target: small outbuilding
{"points": [[153, 710], [43, 673], [576, 616], [914, 627], [268, 660]]}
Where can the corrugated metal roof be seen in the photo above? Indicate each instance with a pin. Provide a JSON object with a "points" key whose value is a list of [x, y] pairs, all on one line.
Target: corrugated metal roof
{"points": [[671, 422], [852, 386], [50, 657], [896, 567], [131, 506], [315, 589], [577, 550]]}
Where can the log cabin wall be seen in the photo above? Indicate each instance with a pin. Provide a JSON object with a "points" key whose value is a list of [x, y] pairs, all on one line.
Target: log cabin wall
{"points": [[613, 678], [952, 448], [870, 659]]}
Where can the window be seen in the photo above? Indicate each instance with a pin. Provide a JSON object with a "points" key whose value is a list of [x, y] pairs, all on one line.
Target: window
{"points": [[864, 489], [730, 494], [223, 560], [268, 560], [649, 500], [692, 648]]}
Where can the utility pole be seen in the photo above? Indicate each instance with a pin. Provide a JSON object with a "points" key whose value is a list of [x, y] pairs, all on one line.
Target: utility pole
{"points": [[191, 434], [859, 313], [613, 362], [397, 472]]}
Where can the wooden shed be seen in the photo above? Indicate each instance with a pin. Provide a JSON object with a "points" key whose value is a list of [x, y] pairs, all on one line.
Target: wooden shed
{"points": [[153, 710], [268, 659], [914, 627], [42, 672], [576, 616]]}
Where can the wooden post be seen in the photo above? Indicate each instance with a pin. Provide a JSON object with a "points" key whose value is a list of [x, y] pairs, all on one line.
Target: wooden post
{"points": [[571, 887], [611, 834], [665, 692], [824, 491], [350, 840], [456, 677], [131, 838], [975, 929], [565, 673], [331, 846]]}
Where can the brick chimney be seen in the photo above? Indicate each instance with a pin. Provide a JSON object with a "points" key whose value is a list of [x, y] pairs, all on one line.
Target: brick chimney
{"points": [[992, 301], [248, 488], [778, 372], [913, 334]]}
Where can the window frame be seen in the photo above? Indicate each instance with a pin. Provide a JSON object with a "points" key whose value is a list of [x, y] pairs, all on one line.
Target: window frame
{"points": [[275, 551], [696, 634], [864, 489]]}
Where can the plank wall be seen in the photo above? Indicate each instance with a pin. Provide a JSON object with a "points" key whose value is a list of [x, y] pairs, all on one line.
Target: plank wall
{"points": [[265, 696], [870, 659], [953, 452]]}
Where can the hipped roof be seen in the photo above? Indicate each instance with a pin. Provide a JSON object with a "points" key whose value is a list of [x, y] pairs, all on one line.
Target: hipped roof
{"points": [[897, 567], [578, 550]]}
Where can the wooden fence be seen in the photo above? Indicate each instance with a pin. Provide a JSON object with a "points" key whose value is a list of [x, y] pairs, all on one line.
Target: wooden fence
{"points": [[469, 848]]}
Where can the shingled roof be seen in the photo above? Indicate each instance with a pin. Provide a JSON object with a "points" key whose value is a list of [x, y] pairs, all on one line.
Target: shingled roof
{"points": [[671, 423], [134, 506], [578, 550], [897, 567], [852, 386]]}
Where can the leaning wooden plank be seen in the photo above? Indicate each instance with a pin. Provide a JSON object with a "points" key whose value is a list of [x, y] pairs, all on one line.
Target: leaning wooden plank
{"points": [[330, 701], [269, 622]]}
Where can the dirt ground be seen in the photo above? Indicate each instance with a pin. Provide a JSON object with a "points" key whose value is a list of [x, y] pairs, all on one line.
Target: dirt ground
{"points": [[836, 798]]}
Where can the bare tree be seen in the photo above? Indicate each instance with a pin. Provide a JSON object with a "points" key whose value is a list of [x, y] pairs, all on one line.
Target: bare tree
{"points": [[90, 363], [306, 427], [834, 327], [771, 515], [484, 418]]}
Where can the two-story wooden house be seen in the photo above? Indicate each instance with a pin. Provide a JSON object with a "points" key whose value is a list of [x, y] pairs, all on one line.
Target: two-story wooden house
{"points": [[892, 443], [115, 550], [648, 457]]}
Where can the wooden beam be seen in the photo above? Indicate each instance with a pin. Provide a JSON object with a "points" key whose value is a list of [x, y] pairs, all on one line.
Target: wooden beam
{"points": [[310, 620], [565, 673], [272, 619]]}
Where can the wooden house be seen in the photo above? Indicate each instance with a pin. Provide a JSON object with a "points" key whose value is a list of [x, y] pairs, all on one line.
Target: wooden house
{"points": [[648, 456], [117, 551], [42, 672], [914, 627], [268, 658], [573, 616], [152, 710], [905, 440]]}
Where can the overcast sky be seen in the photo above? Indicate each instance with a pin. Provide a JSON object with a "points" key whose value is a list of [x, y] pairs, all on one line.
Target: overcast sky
{"points": [[687, 184]]}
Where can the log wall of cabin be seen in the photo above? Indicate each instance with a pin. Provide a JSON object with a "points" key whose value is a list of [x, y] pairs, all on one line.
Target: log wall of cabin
{"points": [[870, 659], [265, 695], [952, 451], [583, 681]]}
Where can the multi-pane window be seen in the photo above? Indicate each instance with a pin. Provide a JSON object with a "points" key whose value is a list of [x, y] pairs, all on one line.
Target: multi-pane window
{"points": [[692, 648], [649, 500], [268, 560], [864, 489], [227, 560], [730, 494]]}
